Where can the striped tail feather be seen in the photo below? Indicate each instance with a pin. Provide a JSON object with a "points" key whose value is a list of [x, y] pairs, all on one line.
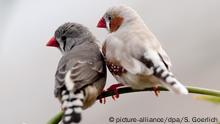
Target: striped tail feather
{"points": [[72, 104], [169, 80], [161, 71]]}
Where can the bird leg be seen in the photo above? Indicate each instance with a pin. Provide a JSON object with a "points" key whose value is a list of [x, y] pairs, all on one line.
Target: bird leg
{"points": [[102, 98], [113, 88], [156, 90]]}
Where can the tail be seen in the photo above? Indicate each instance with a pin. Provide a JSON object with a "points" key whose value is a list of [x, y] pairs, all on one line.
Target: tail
{"points": [[72, 104], [168, 80]]}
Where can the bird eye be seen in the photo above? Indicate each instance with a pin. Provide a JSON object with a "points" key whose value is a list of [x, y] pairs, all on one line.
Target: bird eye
{"points": [[63, 38], [109, 18]]}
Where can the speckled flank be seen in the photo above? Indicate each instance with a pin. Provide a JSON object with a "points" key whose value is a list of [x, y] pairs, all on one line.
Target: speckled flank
{"points": [[115, 69]]}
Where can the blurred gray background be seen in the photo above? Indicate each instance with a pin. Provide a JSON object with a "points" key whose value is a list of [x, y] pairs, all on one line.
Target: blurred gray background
{"points": [[189, 31]]}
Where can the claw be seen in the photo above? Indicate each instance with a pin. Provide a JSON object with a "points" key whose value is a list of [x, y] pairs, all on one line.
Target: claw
{"points": [[113, 88], [101, 98], [156, 90], [102, 102]]}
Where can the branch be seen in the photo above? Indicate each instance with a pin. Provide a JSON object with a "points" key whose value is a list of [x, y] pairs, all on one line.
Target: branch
{"points": [[56, 119], [195, 90], [211, 99]]}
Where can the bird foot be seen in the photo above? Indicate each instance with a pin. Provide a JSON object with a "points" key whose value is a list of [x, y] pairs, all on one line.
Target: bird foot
{"points": [[156, 90], [113, 88], [102, 99]]}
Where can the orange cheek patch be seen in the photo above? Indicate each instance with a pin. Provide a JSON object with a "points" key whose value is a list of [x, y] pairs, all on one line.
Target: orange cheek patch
{"points": [[115, 23]]}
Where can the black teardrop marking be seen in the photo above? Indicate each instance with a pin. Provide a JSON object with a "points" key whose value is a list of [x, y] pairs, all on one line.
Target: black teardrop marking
{"points": [[64, 45], [63, 38]]}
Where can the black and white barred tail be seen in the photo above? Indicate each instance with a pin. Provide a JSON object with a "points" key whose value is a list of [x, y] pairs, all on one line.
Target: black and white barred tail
{"points": [[72, 104], [169, 80], [161, 72]]}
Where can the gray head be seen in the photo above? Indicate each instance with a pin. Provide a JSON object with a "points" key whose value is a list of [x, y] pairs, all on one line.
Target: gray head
{"points": [[70, 35]]}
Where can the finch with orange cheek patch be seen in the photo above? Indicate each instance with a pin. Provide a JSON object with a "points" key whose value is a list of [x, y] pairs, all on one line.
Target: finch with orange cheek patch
{"points": [[133, 54]]}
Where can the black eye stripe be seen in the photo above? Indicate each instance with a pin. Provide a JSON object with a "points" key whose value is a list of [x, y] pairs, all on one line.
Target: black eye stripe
{"points": [[64, 45], [63, 38]]}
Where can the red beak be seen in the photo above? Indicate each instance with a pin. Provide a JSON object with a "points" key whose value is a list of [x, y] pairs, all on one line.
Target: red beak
{"points": [[52, 42], [101, 23]]}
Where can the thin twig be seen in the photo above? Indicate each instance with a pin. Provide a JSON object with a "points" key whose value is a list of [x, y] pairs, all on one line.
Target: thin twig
{"points": [[195, 90]]}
